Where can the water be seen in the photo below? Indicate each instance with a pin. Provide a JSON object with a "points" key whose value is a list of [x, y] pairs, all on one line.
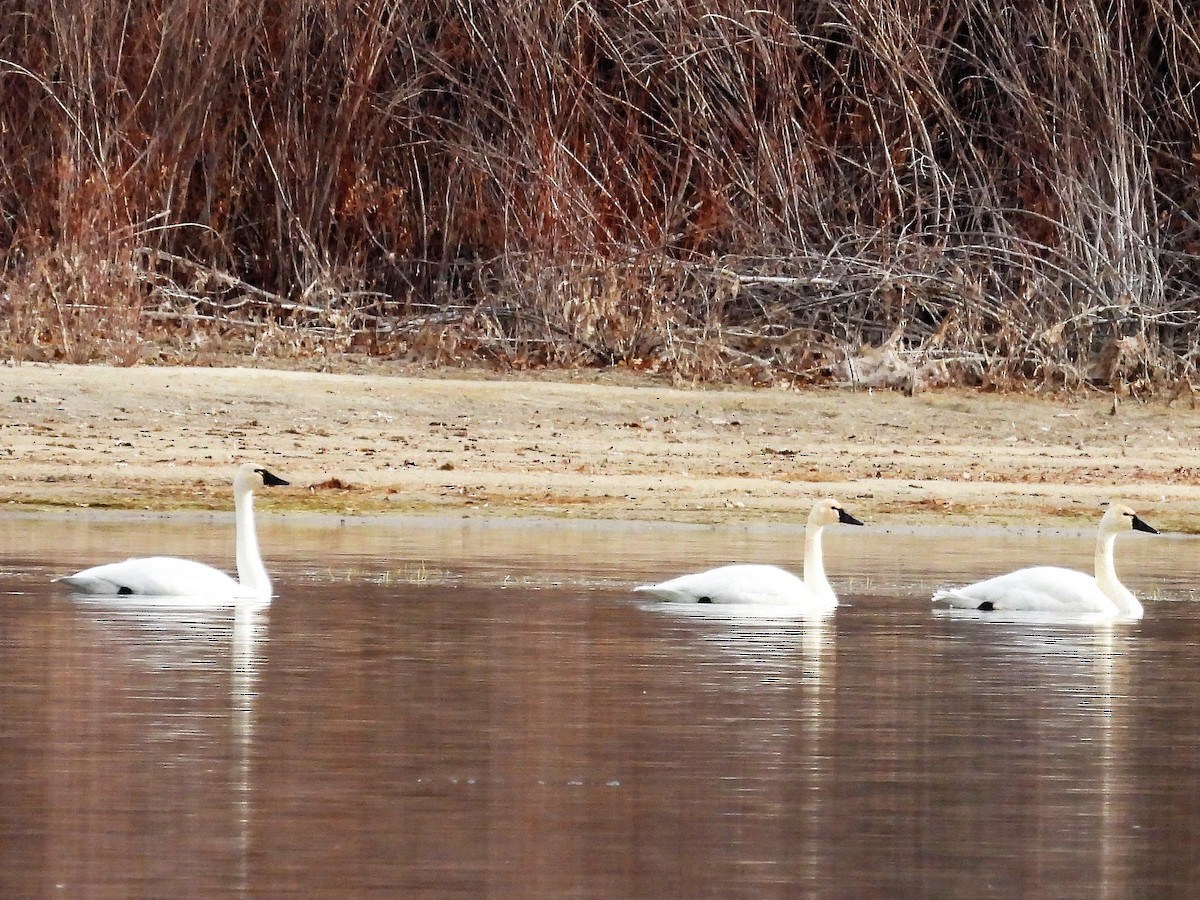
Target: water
{"points": [[462, 709]]}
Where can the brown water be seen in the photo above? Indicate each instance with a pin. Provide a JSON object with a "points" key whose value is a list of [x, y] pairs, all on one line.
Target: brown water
{"points": [[457, 709]]}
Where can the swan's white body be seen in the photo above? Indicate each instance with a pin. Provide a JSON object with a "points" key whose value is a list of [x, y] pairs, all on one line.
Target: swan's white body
{"points": [[1057, 590], [765, 585], [169, 576]]}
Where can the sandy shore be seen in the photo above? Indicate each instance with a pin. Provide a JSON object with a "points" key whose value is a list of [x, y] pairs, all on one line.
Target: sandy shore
{"points": [[611, 447]]}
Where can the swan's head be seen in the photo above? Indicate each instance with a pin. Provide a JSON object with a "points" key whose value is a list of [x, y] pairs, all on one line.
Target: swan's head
{"points": [[1122, 518], [830, 512], [251, 477]]}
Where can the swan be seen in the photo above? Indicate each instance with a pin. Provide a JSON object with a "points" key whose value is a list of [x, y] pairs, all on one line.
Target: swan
{"points": [[169, 576], [765, 584], [1058, 590]]}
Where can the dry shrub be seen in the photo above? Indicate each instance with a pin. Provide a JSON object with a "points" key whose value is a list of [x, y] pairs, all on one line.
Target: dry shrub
{"points": [[74, 304], [961, 192], [79, 298]]}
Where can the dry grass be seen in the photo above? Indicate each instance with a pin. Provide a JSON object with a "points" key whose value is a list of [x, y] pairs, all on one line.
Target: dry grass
{"points": [[897, 192]]}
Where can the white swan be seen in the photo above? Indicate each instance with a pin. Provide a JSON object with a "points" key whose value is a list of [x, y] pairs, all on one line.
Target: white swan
{"points": [[169, 576], [1058, 590], [765, 584]]}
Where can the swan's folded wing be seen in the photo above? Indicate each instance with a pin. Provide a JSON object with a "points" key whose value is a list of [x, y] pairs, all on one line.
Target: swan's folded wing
{"points": [[743, 583], [84, 583], [662, 592], [1048, 588], [155, 576], [957, 597]]}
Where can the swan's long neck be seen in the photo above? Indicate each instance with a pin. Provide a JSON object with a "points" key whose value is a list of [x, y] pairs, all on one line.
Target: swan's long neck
{"points": [[1107, 581], [814, 564], [252, 574]]}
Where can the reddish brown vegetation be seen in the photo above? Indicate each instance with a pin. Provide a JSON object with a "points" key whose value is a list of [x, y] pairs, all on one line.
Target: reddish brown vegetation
{"points": [[969, 190]]}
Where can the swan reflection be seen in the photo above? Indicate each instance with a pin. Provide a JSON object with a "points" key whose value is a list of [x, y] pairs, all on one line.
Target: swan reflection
{"points": [[173, 704], [776, 673], [1060, 686]]}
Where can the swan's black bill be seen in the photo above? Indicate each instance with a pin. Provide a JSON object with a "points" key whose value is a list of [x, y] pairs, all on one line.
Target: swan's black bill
{"points": [[1139, 525], [846, 519], [270, 480]]}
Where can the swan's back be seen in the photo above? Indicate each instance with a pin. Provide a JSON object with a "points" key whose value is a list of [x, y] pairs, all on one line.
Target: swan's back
{"points": [[743, 583], [154, 576], [1048, 588]]}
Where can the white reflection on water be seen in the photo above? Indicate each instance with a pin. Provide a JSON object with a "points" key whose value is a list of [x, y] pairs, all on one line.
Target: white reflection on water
{"points": [[1031, 617], [765, 640], [1111, 669], [784, 664], [178, 634], [249, 629], [1072, 677]]}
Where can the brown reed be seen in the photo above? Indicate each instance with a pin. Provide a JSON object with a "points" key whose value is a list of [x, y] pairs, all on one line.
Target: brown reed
{"points": [[895, 192]]}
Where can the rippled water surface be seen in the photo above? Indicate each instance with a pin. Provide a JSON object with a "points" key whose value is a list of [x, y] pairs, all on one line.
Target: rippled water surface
{"points": [[460, 709]]}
